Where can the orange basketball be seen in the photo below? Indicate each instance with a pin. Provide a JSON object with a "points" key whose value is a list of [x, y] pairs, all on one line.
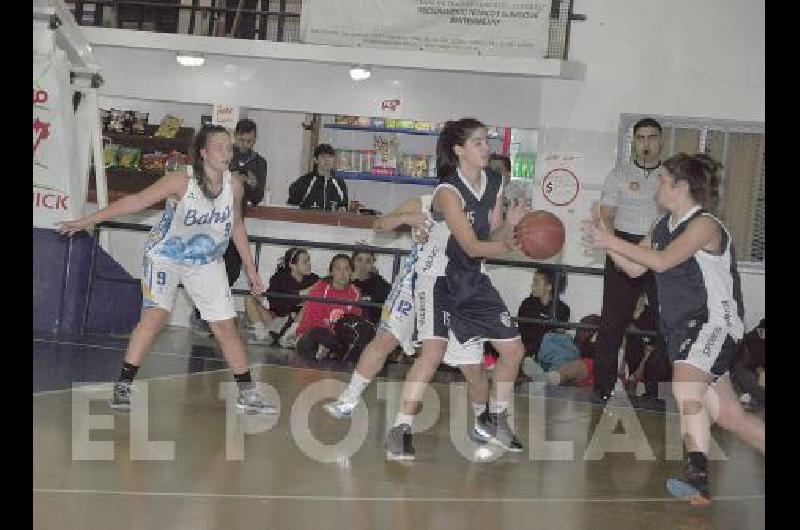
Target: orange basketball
{"points": [[541, 234]]}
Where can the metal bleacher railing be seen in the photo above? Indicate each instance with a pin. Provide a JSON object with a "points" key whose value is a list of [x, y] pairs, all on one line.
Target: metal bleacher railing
{"points": [[396, 253]]}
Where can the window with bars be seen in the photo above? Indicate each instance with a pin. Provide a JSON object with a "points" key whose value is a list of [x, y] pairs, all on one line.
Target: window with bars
{"points": [[275, 20], [740, 147], [559, 29], [208, 17]]}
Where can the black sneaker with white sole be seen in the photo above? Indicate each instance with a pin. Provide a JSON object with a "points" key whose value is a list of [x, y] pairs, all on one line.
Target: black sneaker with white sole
{"points": [[481, 431], [500, 432], [121, 398], [399, 446]]}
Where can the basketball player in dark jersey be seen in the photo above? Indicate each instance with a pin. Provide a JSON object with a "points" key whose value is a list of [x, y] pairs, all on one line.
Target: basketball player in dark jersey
{"points": [[453, 292], [699, 291]]}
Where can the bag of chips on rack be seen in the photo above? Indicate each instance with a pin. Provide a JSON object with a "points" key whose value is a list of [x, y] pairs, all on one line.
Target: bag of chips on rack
{"points": [[169, 126], [129, 157]]}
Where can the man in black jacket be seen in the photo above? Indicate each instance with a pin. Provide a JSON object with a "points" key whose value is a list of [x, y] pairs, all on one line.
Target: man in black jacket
{"points": [[252, 169], [320, 189]]}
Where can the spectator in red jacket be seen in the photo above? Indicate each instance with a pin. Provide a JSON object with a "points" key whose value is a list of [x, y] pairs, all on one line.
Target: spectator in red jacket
{"points": [[315, 337]]}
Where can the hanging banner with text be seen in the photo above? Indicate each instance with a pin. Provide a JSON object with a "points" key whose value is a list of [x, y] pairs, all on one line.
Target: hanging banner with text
{"points": [[508, 28], [53, 140]]}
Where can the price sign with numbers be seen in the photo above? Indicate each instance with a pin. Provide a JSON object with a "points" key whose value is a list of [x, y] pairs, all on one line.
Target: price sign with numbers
{"points": [[560, 187]]}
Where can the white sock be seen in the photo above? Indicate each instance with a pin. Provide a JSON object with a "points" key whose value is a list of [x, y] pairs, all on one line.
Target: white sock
{"points": [[358, 383], [478, 408], [403, 418], [553, 378], [496, 407]]}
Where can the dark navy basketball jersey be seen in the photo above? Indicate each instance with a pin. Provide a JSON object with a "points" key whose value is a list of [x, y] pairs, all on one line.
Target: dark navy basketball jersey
{"points": [[463, 298], [704, 289], [443, 254]]}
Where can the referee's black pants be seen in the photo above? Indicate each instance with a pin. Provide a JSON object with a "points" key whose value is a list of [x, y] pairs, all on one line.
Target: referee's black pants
{"points": [[620, 294]]}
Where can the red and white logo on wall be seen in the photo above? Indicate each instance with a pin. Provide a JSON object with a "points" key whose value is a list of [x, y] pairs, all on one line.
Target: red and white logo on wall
{"points": [[225, 115]]}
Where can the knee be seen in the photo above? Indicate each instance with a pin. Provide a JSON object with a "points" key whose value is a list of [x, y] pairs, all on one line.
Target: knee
{"points": [[730, 416], [431, 358], [153, 323], [513, 353], [472, 372], [149, 326], [690, 406], [224, 329], [688, 397], [384, 341]]}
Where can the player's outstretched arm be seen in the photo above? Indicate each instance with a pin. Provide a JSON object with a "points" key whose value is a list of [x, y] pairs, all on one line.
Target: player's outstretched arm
{"points": [[170, 184]]}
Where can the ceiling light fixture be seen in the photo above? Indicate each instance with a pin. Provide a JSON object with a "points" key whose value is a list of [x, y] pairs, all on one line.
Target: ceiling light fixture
{"points": [[360, 73], [190, 59]]}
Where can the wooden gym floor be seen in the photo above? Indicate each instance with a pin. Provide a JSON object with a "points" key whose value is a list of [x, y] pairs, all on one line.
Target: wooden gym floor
{"points": [[193, 463]]}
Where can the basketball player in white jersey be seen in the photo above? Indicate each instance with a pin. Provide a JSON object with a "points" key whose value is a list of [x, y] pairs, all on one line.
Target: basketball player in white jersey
{"points": [[398, 320], [203, 212]]}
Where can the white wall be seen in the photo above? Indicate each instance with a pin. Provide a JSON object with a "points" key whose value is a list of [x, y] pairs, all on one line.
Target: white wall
{"points": [[321, 88], [701, 58], [694, 58]]}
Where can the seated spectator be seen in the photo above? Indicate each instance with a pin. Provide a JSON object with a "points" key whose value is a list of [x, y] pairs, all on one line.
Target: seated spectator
{"points": [[749, 364], [320, 188], [275, 315], [645, 356], [372, 285], [501, 164], [315, 331], [512, 190], [576, 372], [540, 305]]}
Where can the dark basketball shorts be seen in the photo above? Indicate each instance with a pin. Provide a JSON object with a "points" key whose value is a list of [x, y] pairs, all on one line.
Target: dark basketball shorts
{"points": [[707, 346], [469, 306]]}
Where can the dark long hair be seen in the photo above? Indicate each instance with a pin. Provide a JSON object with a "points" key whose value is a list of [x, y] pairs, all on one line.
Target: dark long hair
{"points": [[290, 258], [701, 173], [201, 142], [453, 133]]}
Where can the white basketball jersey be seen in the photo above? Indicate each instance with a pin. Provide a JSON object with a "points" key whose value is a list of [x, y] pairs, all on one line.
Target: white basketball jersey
{"points": [[194, 230]]}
